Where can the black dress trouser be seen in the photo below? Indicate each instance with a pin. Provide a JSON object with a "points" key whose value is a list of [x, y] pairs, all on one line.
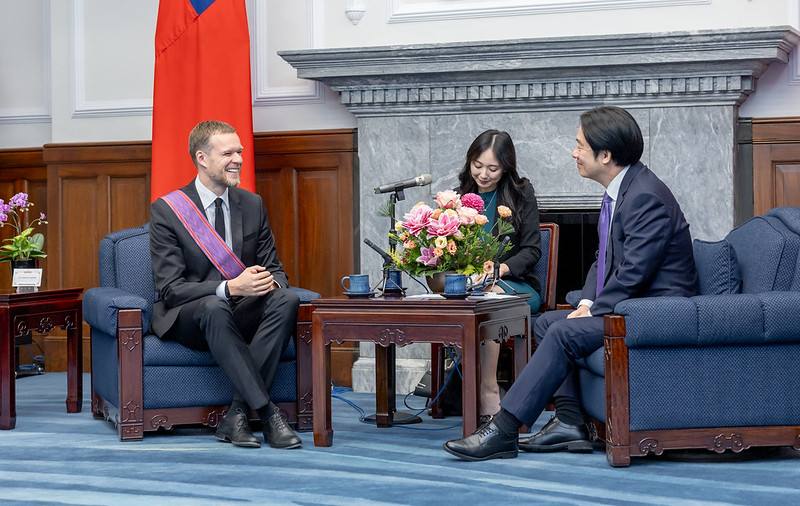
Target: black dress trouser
{"points": [[245, 335]]}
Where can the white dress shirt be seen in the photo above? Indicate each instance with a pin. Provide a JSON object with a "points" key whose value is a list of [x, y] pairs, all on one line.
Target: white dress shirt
{"points": [[207, 198]]}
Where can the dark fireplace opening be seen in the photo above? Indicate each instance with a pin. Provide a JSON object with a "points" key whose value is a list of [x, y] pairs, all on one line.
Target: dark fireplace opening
{"points": [[577, 246]]}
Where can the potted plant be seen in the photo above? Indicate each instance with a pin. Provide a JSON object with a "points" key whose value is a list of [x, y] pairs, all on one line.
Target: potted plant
{"points": [[25, 247], [449, 237]]}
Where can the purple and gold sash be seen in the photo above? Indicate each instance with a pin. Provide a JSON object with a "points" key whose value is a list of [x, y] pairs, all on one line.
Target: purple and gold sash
{"points": [[209, 241]]}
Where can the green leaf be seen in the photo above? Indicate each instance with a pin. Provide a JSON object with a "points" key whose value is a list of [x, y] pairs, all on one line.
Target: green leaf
{"points": [[37, 241]]}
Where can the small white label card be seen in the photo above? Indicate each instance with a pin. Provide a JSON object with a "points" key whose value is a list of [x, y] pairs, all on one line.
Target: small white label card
{"points": [[27, 277]]}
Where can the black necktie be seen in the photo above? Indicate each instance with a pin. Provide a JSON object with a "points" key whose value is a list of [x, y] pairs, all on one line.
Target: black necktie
{"points": [[219, 218]]}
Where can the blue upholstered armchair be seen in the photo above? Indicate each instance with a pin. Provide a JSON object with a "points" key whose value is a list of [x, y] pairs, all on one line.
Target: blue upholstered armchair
{"points": [[718, 371], [142, 383]]}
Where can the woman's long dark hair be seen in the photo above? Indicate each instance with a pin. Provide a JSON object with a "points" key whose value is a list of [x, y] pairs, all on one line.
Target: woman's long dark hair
{"points": [[510, 188]]}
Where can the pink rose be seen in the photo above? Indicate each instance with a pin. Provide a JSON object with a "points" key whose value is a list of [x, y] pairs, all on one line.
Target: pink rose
{"points": [[473, 201], [447, 199], [467, 215]]}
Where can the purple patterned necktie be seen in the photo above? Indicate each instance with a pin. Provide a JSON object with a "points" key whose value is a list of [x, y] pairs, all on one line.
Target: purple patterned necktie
{"points": [[602, 230]]}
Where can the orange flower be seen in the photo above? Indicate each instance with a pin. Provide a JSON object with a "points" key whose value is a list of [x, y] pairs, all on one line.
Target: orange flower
{"points": [[488, 267], [451, 247], [481, 220], [436, 213], [437, 252], [503, 211]]}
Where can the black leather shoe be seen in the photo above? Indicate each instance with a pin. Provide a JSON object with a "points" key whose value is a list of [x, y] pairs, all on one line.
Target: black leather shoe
{"points": [[488, 442], [557, 436], [278, 433], [235, 429]]}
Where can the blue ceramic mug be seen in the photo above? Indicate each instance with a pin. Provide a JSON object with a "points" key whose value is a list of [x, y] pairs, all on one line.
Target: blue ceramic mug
{"points": [[358, 283], [455, 284], [394, 281]]}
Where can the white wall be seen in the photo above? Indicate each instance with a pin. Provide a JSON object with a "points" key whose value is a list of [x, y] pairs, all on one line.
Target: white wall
{"points": [[82, 70]]}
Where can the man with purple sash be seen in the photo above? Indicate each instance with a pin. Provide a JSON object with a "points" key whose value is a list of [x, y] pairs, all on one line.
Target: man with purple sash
{"points": [[221, 287], [645, 251]]}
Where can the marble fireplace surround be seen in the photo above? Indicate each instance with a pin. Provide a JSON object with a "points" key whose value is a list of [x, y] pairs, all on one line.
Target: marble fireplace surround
{"points": [[418, 107]]}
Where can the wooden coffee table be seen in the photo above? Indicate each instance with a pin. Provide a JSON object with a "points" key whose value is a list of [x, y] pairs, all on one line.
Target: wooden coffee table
{"points": [[390, 322], [40, 312]]}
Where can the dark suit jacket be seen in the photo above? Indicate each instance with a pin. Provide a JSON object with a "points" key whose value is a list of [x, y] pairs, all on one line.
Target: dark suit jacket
{"points": [[525, 241], [183, 273], [650, 249]]}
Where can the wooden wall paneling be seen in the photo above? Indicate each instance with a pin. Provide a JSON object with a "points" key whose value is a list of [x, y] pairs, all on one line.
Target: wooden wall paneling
{"points": [[125, 197], [306, 179], [23, 170], [776, 163], [92, 189], [276, 187], [787, 184]]}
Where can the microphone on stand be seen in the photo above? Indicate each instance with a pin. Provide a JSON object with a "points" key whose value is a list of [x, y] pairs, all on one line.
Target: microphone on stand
{"points": [[421, 180], [387, 259]]}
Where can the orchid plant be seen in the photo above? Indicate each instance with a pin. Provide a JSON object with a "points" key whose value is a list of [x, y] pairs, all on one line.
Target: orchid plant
{"points": [[449, 237], [25, 244]]}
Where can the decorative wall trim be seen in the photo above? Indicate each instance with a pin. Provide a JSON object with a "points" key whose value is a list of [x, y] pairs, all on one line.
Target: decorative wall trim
{"points": [[24, 116], [401, 11], [305, 92], [37, 114], [83, 107], [556, 201], [548, 95], [712, 67]]}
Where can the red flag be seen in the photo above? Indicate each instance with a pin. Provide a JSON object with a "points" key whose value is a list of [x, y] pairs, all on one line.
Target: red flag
{"points": [[202, 72]]}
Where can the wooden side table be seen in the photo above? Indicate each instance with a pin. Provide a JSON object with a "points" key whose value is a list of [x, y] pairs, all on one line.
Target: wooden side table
{"points": [[396, 321], [24, 313]]}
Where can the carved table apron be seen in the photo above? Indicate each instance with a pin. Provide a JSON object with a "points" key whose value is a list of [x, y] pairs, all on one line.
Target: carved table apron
{"points": [[40, 312], [396, 321]]}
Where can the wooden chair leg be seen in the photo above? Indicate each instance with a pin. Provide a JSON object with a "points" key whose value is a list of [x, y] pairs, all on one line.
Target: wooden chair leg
{"points": [[130, 423], [305, 408]]}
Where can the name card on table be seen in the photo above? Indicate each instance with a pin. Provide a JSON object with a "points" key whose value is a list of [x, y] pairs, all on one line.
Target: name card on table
{"points": [[27, 280]]}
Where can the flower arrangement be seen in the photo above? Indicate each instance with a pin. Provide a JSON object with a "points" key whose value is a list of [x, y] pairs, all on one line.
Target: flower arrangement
{"points": [[449, 237], [25, 245]]}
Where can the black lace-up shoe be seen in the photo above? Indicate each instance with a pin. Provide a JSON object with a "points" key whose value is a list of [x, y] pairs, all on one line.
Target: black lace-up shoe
{"points": [[235, 429], [488, 442], [557, 436], [278, 433]]}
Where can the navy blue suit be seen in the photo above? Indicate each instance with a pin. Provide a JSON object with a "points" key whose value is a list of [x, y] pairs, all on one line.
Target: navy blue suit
{"points": [[649, 254]]}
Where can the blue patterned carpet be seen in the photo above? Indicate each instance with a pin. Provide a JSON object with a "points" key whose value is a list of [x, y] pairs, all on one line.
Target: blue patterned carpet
{"points": [[56, 458]]}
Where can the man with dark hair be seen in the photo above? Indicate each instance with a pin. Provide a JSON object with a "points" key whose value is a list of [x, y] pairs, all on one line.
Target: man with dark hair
{"points": [[222, 288], [645, 251]]}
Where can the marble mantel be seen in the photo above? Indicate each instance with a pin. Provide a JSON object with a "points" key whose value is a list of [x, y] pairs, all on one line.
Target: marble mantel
{"points": [[418, 107]]}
